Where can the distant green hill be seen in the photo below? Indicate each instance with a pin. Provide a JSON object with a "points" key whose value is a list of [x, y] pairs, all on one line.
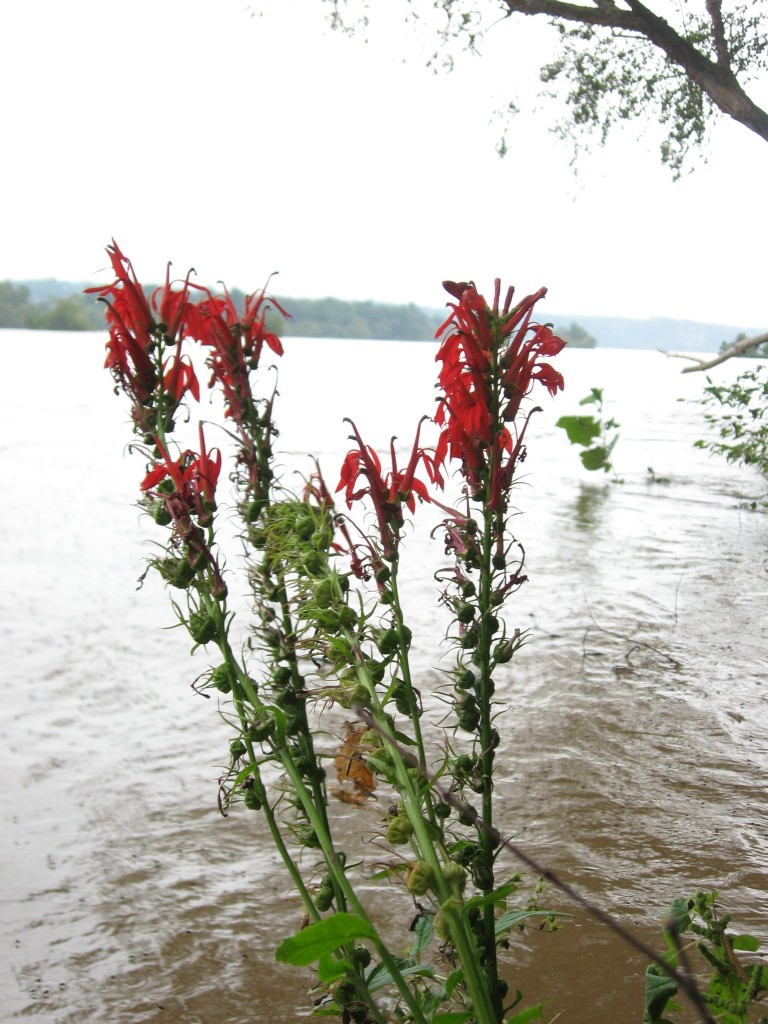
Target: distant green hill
{"points": [[60, 305], [655, 333]]}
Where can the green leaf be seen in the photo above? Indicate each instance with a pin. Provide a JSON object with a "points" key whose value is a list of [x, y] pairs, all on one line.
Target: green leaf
{"points": [[452, 981], [596, 458], [532, 1013], [380, 977], [679, 918], [595, 396], [514, 917], [329, 968], [747, 942], [308, 945], [659, 989], [452, 1017], [423, 931], [580, 429], [496, 896]]}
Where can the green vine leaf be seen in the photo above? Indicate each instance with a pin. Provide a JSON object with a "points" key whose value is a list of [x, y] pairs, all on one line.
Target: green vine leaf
{"points": [[659, 989], [308, 945], [597, 458], [580, 429]]}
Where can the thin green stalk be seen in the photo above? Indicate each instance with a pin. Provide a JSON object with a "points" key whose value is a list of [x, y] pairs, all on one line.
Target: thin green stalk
{"points": [[461, 935], [404, 665], [339, 875], [485, 691]]}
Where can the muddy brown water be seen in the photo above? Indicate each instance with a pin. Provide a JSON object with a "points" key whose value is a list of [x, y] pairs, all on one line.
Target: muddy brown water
{"points": [[635, 749]]}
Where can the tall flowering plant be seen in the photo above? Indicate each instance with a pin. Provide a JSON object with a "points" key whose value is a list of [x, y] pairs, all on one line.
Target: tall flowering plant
{"points": [[331, 632]]}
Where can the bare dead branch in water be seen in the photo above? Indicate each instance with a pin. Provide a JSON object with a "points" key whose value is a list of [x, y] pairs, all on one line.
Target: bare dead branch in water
{"points": [[736, 349], [686, 982], [636, 644]]}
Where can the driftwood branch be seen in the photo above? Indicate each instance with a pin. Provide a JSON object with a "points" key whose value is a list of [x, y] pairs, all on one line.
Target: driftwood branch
{"points": [[735, 350]]}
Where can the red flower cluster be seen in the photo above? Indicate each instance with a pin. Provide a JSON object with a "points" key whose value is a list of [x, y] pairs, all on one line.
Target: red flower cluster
{"points": [[388, 493], [491, 359], [235, 342], [194, 476], [135, 327], [139, 329]]}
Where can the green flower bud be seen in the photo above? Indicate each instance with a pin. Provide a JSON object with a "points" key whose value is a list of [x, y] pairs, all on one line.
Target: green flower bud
{"points": [[202, 627], [160, 513], [250, 799], [399, 831], [262, 726], [322, 538], [470, 638], [281, 676], [420, 878], [313, 563], [176, 571], [465, 613], [362, 956], [324, 594], [237, 748], [455, 875], [387, 641], [482, 876], [358, 696], [467, 712], [324, 898], [503, 651], [221, 678]]}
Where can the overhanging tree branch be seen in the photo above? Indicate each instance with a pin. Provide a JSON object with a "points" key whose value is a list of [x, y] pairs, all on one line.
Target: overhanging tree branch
{"points": [[715, 11], [715, 78], [606, 14]]}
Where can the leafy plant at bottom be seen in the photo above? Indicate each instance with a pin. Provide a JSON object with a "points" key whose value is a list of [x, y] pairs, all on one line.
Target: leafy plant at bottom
{"points": [[734, 987]]}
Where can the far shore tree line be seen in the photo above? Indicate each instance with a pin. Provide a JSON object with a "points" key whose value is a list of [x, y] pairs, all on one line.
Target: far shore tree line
{"points": [[35, 308]]}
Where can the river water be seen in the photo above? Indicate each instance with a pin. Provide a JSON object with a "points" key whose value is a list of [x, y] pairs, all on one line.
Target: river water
{"points": [[635, 749]]}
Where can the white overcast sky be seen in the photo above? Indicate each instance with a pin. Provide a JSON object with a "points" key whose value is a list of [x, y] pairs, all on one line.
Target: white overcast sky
{"points": [[194, 131]]}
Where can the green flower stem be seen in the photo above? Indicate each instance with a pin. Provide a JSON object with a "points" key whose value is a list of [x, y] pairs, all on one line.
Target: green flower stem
{"points": [[340, 879], [243, 689], [461, 935], [487, 755], [494, 526], [405, 670]]}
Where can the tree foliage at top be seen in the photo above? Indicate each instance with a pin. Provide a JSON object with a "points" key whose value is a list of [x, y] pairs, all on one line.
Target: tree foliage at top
{"points": [[679, 64]]}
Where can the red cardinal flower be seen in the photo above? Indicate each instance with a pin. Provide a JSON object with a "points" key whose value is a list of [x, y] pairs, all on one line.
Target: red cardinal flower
{"points": [[388, 493], [236, 342], [194, 476], [130, 324], [491, 359]]}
